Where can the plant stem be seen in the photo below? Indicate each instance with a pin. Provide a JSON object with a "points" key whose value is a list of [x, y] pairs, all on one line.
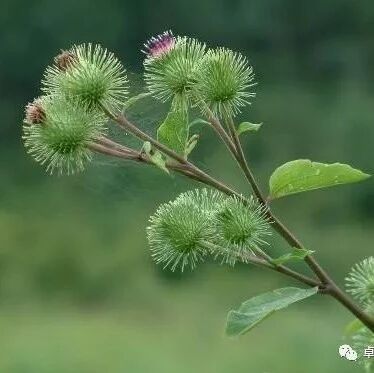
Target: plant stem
{"points": [[217, 126], [277, 224], [187, 168], [111, 148], [253, 259], [116, 150], [285, 270], [241, 159], [330, 286], [200, 175]]}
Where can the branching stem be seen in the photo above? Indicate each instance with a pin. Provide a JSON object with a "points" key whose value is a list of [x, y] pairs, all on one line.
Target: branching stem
{"points": [[329, 286], [253, 259], [182, 165]]}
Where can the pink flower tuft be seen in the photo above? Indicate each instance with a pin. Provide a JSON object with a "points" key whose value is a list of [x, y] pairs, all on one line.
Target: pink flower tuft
{"points": [[160, 45]]}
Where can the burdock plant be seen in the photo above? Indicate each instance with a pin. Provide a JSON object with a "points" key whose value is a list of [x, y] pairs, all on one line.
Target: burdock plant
{"points": [[86, 91]]}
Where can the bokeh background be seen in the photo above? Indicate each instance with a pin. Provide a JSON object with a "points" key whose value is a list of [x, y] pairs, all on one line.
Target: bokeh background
{"points": [[78, 290]]}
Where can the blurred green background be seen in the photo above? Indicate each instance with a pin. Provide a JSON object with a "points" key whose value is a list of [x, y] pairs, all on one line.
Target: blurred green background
{"points": [[78, 290]]}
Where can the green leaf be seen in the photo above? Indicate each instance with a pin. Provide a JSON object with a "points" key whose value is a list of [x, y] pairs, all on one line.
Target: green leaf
{"points": [[248, 126], [296, 254], [155, 156], [303, 175], [256, 309], [191, 144], [173, 132]]}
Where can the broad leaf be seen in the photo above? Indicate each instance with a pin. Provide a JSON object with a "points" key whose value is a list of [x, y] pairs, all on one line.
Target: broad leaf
{"points": [[248, 126], [304, 175], [296, 254], [256, 309], [173, 132]]}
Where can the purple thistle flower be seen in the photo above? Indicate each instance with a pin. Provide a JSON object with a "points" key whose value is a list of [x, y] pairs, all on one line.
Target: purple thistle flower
{"points": [[159, 45]]}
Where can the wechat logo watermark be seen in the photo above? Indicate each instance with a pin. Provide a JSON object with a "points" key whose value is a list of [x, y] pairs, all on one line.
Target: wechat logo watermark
{"points": [[348, 352]]}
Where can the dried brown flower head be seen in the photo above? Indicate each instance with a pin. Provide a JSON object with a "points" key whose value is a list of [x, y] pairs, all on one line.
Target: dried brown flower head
{"points": [[65, 59], [35, 113]]}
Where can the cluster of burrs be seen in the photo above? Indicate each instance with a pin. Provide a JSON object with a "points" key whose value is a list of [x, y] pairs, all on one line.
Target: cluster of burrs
{"points": [[86, 87], [87, 82], [204, 223], [60, 124], [360, 283], [86, 90]]}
